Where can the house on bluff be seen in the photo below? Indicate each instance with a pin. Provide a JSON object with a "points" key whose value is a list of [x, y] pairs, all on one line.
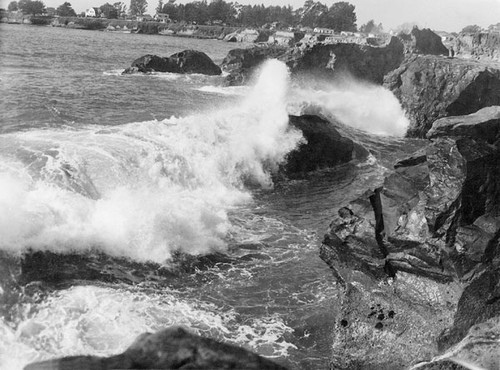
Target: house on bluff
{"points": [[93, 12]]}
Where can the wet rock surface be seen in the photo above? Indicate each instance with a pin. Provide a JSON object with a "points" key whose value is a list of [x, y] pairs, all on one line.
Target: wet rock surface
{"points": [[172, 348], [424, 249], [483, 124], [187, 61], [324, 147], [432, 87], [480, 349]]}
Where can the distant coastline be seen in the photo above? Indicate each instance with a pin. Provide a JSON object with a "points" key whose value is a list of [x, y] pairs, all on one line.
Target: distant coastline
{"points": [[126, 26]]}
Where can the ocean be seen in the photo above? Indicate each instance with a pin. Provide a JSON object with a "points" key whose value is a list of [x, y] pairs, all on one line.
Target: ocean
{"points": [[130, 175]]}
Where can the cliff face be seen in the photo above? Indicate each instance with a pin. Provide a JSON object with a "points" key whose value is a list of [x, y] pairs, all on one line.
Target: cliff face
{"points": [[430, 87], [362, 61], [241, 63], [481, 45]]}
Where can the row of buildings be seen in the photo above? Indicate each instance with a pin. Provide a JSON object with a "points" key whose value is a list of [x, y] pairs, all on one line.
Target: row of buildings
{"points": [[159, 17]]}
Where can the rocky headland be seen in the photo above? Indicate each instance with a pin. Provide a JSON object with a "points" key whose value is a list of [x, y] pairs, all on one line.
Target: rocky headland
{"points": [[419, 257], [479, 46]]}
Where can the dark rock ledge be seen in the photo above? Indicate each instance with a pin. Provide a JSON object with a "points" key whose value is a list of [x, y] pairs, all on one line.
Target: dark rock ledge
{"points": [[172, 348], [187, 61], [419, 257], [324, 147]]}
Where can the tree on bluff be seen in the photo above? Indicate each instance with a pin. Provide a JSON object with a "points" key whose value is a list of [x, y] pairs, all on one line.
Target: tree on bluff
{"points": [[220, 11], [13, 7], [371, 27], [340, 17], [31, 7], [109, 11], [473, 28], [66, 10], [138, 7]]}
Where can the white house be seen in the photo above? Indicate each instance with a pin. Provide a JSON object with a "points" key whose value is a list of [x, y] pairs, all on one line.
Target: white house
{"points": [[324, 31], [92, 12], [162, 17], [144, 18]]}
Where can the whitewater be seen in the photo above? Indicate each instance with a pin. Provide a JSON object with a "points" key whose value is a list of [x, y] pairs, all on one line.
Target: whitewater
{"points": [[135, 172]]}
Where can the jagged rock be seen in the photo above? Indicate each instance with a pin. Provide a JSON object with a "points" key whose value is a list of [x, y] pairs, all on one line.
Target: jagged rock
{"points": [[187, 61], [362, 61], [241, 63], [479, 302], [480, 45], [431, 87], [324, 147], [483, 124], [172, 348], [480, 349], [430, 230], [423, 41]]}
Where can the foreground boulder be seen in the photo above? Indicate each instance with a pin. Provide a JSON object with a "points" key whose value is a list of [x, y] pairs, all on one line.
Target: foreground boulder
{"points": [[187, 61], [324, 147], [432, 87], [172, 348], [419, 257]]}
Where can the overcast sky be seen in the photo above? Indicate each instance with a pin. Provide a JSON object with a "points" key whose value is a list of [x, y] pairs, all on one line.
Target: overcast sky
{"points": [[448, 15]]}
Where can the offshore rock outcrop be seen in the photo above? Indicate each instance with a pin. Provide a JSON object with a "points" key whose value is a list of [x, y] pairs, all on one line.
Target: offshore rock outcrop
{"points": [[172, 348], [419, 257], [324, 147], [187, 61], [431, 87]]}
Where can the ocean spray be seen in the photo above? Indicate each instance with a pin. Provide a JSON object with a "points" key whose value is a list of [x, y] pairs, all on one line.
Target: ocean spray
{"points": [[143, 190], [355, 103]]}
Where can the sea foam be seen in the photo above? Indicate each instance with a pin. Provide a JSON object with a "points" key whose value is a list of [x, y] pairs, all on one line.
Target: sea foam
{"points": [[144, 189]]}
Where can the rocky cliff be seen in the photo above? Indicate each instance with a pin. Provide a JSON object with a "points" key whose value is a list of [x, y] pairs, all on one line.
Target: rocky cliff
{"points": [[240, 64], [419, 257], [431, 87], [481, 45], [362, 61]]}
